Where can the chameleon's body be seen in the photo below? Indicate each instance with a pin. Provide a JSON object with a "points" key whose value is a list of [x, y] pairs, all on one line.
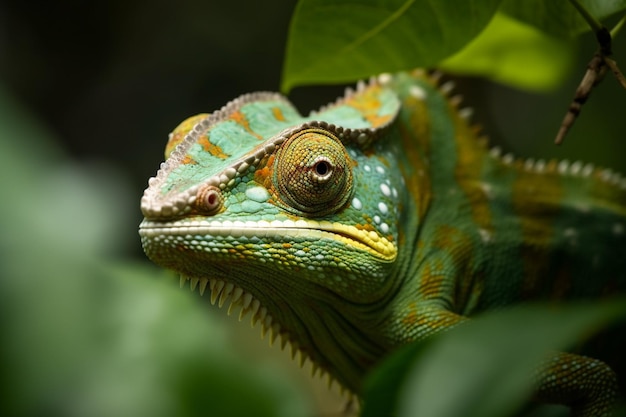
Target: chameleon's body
{"points": [[379, 220]]}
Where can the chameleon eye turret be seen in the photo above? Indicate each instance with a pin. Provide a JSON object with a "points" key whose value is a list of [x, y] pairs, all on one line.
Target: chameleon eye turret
{"points": [[312, 173]]}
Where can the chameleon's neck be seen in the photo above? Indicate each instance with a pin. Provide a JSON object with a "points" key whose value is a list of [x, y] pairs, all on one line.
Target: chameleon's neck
{"points": [[329, 331], [477, 203]]}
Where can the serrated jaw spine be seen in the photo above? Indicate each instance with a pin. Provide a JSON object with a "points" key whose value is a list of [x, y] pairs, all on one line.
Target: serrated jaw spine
{"points": [[228, 294]]}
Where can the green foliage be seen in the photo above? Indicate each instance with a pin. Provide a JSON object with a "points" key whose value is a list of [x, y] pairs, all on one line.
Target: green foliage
{"points": [[87, 334], [559, 17], [511, 52], [334, 41], [337, 41], [485, 366]]}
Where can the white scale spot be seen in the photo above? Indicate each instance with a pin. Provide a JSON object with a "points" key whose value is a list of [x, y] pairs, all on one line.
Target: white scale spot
{"points": [[377, 219], [258, 194], [487, 189], [356, 203], [383, 208], [367, 168], [385, 190], [394, 192], [417, 92], [485, 235], [508, 159], [384, 227], [569, 232], [385, 78], [380, 169]]}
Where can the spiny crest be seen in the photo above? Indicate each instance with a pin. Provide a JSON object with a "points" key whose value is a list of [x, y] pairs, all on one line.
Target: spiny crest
{"points": [[562, 167], [540, 166], [213, 150], [227, 294]]}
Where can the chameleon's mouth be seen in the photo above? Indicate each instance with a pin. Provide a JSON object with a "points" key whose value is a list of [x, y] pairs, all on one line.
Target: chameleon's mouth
{"points": [[286, 230], [229, 295], [209, 256]]}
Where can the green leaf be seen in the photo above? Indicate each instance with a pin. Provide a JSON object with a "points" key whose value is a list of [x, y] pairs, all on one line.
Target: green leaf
{"points": [[560, 17], [383, 385], [514, 53], [485, 365], [333, 41]]}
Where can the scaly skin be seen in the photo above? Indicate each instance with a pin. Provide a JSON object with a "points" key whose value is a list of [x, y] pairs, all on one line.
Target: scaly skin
{"points": [[380, 220]]}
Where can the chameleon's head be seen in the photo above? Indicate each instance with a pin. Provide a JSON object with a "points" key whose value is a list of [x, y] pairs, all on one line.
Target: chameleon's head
{"points": [[290, 216]]}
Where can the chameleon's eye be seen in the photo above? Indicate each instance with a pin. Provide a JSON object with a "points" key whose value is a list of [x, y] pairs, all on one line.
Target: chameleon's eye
{"points": [[312, 173]]}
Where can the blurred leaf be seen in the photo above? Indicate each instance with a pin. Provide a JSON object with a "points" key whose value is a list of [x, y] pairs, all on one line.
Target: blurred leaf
{"points": [[84, 334], [334, 41], [559, 17], [486, 364], [383, 385], [513, 53]]}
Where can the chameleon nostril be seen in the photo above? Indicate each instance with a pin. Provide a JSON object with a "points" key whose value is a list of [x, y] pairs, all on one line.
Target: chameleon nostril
{"points": [[209, 199]]}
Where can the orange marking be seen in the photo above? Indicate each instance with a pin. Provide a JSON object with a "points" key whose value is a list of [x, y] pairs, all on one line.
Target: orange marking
{"points": [[536, 199], [416, 146], [278, 114], [240, 119], [367, 227], [188, 160], [411, 317], [178, 134], [264, 175], [468, 171], [458, 245], [212, 148], [368, 104], [430, 281], [376, 120]]}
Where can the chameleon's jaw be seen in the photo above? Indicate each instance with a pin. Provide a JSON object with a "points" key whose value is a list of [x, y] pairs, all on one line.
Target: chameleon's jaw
{"points": [[233, 298], [210, 257], [285, 231]]}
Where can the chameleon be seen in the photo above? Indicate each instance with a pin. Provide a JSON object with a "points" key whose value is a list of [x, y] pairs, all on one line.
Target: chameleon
{"points": [[383, 218]]}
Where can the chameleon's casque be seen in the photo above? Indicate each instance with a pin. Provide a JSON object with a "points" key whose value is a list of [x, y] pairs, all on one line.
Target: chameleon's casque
{"points": [[381, 219]]}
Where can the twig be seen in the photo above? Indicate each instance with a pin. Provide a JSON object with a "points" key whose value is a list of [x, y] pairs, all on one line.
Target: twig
{"points": [[596, 69]]}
